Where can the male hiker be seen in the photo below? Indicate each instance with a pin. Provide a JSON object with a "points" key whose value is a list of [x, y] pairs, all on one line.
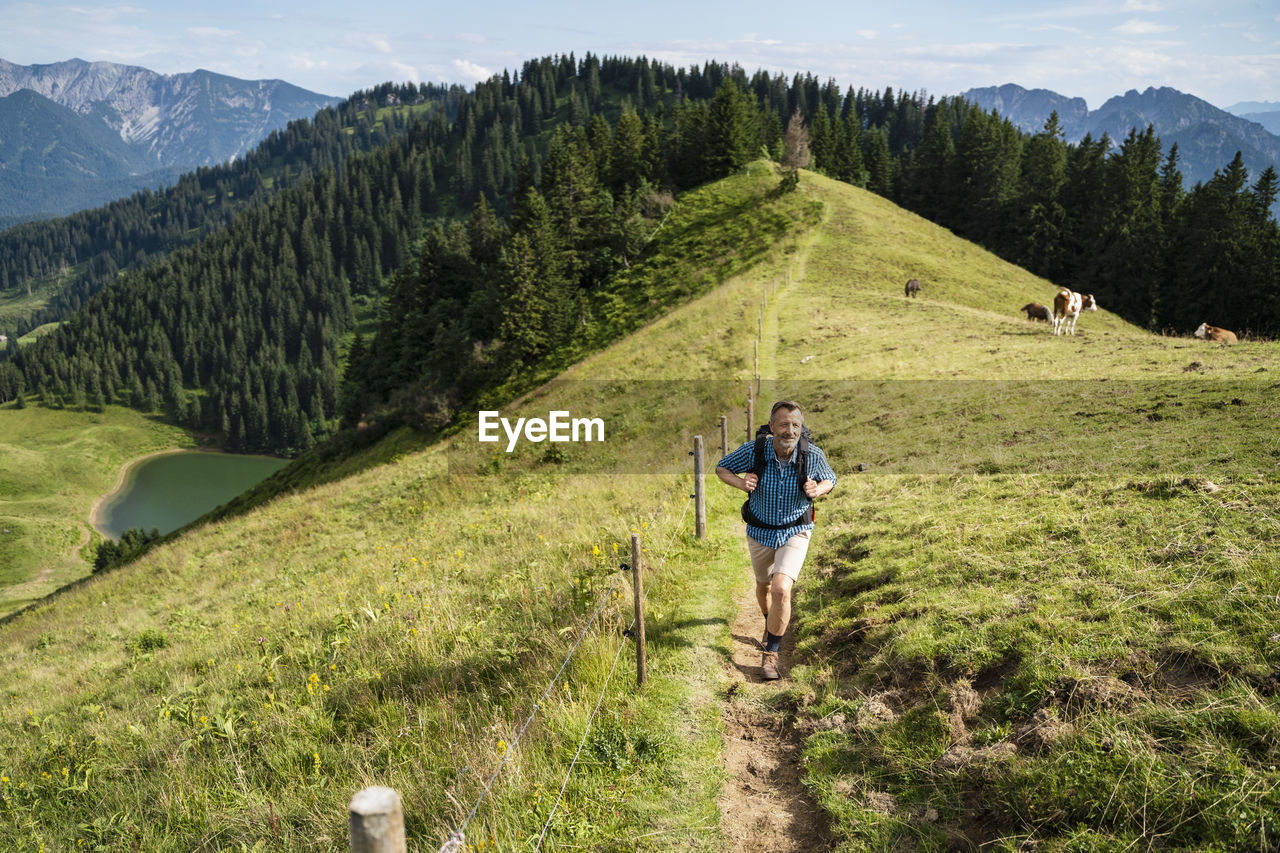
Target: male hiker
{"points": [[784, 474]]}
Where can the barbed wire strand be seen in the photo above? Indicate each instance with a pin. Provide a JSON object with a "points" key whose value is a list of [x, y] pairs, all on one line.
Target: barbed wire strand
{"points": [[663, 562], [581, 744], [665, 498], [457, 839], [608, 679], [459, 835]]}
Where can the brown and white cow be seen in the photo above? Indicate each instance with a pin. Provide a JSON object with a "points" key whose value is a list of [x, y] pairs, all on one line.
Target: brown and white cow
{"points": [[913, 287], [1036, 311], [1213, 333], [1067, 306]]}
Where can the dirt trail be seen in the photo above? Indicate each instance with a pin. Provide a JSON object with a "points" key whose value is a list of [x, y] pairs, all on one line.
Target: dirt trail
{"points": [[85, 535], [764, 807]]}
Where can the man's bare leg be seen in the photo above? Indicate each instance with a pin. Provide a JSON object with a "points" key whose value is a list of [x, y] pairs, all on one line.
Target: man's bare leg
{"points": [[779, 608]]}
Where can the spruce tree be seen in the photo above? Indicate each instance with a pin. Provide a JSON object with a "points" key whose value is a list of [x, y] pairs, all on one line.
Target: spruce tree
{"points": [[731, 135]]}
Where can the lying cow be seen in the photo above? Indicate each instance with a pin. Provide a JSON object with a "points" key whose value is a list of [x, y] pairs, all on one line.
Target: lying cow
{"points": [[1213, 333], [1036, 311], [1067, 306], [913, 287]]}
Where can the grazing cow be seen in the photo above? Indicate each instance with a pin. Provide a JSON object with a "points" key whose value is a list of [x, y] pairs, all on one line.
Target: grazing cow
{"points": [[1036, 311], [1067, 306], [913, 287], [1213, 333]]}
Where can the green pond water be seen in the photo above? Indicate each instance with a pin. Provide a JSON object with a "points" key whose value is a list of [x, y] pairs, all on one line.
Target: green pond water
{"points": [[169, 491]]}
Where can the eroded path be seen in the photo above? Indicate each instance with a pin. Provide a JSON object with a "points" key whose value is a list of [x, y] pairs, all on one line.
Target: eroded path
{"points": [[764, 807]]}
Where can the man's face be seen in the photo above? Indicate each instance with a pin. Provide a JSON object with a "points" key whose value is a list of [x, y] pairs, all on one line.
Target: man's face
{"points": [[785, 426]]}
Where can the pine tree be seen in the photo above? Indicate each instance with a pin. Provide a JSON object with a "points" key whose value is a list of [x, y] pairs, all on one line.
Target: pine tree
{"points": [[627, 154], [931, 189], [1039, 204], [731, 136]]}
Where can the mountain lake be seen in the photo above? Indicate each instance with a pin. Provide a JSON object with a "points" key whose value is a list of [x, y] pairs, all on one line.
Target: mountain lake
{"points": [[169, 490]]}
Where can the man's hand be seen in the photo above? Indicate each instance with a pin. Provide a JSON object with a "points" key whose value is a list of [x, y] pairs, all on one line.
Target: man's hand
{"points": [[813, 489], [749, 482]]}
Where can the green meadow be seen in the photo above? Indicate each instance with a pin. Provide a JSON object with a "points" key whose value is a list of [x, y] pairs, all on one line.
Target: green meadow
{"points": [[1037, 612], [54, 464]]}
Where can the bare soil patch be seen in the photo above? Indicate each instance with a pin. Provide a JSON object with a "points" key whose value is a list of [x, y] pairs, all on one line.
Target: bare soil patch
{"points": [[764, 807]]}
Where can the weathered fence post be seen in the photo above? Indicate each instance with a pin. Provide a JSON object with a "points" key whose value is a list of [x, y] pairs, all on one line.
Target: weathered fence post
{"points": [[751, 417], [642, 668], [377, 821], [724, 436], [699, 490], [755, 369]]}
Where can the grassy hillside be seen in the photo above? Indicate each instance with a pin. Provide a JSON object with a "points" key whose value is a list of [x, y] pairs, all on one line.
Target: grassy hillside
{"points": [[395, 626], [964, 626], [1007, 652], [54, 463]]}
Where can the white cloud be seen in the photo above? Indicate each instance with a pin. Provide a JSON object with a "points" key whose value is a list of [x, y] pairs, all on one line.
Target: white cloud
{"points": [[1142, 6], [304, 62], [404, 71], [1062, 28], [1136, 27], [471, 71], [869, 34], [108, 13], [965, 52], [212, 32]]}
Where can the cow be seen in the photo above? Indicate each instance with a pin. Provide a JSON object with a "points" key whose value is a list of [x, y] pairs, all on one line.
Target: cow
{"points": [[913, 287], [1213, 333], [1036, 311], [1067, 306]]}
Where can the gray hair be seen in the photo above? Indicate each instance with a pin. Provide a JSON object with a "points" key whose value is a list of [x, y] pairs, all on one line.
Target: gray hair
{"points": [[789, 405]]}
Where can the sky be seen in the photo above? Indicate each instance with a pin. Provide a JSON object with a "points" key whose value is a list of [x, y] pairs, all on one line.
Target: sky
{"points": [[1225, 51]]}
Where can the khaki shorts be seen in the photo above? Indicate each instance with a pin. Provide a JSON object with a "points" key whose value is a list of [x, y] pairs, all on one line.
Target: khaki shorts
{"points": [[786, 560]]}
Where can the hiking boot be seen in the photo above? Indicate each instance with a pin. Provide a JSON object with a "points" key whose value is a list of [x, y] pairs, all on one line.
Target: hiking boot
{"points": [[769, 666]]}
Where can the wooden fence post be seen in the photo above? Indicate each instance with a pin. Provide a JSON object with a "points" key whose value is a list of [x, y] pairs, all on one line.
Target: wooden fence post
{"points": [[699, 490], [751, 417], [755, 369], [724, 436], [377, 821], [642, 668]]}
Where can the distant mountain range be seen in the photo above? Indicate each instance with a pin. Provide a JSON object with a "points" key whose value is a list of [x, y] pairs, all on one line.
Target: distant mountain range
{"points": [[1265, 113], [76, 134], [1207, 137]]}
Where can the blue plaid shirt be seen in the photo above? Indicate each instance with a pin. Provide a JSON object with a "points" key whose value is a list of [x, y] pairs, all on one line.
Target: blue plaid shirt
{"points": [[777, 498]]}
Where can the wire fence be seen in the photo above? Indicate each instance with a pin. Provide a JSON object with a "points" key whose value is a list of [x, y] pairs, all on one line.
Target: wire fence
{"points": [[456, 840]]}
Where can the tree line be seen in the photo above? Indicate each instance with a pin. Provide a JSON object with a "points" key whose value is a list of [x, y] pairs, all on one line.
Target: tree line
{"points": [[479, 228], [77, 255], [238, 334]]}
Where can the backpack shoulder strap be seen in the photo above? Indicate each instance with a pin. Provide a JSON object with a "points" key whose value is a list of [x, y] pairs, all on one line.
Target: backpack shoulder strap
{"points": [[802, 463], [761, 455]]}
